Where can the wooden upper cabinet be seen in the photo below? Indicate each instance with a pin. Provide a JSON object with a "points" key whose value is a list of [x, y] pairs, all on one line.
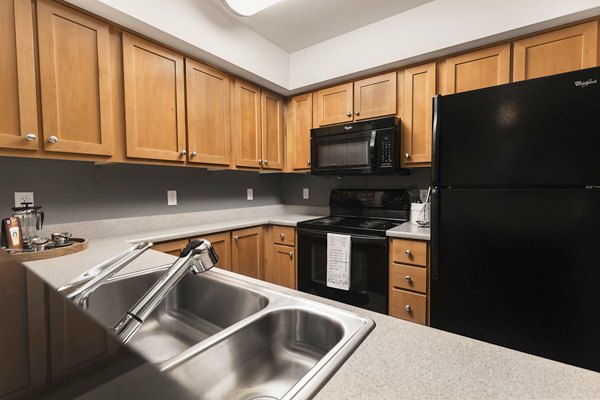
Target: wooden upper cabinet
{"points": [[416, 93], [208, 104], [247, 131], [272, 130], [334, 105], [299, 124], [555, 52], [375, 96], [247, 252], [477, 69], [75, 78], [18, 115], [154, 100]]}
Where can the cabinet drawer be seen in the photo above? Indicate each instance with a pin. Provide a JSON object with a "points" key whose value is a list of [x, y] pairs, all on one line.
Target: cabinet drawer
{"points": [[407, 277], [409, 306], [283, 235], [409, 252]]}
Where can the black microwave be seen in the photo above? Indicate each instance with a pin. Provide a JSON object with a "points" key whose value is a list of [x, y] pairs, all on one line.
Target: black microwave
{"points": [[366, 147]]}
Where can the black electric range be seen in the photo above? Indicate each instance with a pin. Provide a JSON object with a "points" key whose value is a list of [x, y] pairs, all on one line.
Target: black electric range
{"points": [[365, 216]]}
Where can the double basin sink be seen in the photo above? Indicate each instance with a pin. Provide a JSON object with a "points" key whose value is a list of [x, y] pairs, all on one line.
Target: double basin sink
{"points": [[221, 337]]}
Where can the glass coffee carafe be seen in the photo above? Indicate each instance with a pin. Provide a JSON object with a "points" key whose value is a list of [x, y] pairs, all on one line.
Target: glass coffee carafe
{"points": [[31, 218]]}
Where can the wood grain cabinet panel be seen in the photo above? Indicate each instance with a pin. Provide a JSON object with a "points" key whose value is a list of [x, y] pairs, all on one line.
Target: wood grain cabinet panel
{"points": [[221, 242], [23, 333], [75, 78], [18, 104], [563, 50], [271, 130], [281, 268], [334, 105], [247, 125], [154, 100], [208, 114], [408, 277], [478, 69], [409, 306], [172, 247], [247, 252], [299, 124], [409, 252], [416, 94], [375, 96]]}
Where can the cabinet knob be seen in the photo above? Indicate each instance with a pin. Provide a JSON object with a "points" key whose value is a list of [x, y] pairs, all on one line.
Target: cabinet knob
{"points": [[266, 162], [194, 154], [407, 278], [260, 162], [183, 152], [236, 238], [308, 162], [30, 137], [348, 114], [408, 252], [282, 236], [407, 308], [53, 139], [291, 254], [407, 156], [357, 113]]}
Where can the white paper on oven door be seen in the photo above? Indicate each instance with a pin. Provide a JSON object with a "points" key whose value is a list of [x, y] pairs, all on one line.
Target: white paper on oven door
{"points": [[338, 261]]}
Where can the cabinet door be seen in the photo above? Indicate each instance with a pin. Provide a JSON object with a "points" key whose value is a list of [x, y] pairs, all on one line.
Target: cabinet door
{"points": [[208, 114], [416, 95], [282, 266], [564, 50], [478, 69], [246, 132], [23, 333], [221, 242], [77, 343], [334, 105], [299, 124], [247, 252], [375, 96], [75, 78], [272, 130], [154, 100], [18, 115]]}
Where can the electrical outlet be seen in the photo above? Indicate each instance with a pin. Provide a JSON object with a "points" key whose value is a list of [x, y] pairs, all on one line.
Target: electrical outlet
{"points": [[250, 194], [23, 197], [423, 195], [305, 193], [171, 197]]}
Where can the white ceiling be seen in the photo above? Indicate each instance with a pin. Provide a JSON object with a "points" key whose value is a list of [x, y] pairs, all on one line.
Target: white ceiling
{"points": [[296, 24]]}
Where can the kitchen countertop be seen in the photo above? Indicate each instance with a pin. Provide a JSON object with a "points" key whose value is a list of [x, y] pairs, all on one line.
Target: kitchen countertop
{"points": [[398, 359], [409, 231]]}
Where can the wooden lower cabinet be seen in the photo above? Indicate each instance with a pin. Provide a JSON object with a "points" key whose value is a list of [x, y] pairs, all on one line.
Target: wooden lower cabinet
{"points": [[247, 256], [172, 247], [280, 263], [408, 287]]}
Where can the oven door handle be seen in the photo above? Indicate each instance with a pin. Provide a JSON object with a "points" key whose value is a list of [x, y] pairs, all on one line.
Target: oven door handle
{"points": [[355, 238]]}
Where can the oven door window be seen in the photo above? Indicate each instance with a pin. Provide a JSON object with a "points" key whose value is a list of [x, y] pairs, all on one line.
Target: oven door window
{"points": [[368, 270]]}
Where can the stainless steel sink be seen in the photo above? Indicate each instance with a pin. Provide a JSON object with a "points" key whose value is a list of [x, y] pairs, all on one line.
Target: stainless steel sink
{"points": [[222, 337], [198, 307]]}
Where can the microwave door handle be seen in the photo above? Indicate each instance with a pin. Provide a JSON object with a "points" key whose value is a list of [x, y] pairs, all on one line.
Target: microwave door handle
{"points": [[372, 150]]}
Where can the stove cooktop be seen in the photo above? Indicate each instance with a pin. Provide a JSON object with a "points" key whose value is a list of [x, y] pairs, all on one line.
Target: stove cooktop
{"points": [[365, 226]]}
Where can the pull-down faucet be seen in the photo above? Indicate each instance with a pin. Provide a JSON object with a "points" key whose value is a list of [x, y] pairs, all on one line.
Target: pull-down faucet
{"points": [[198, 256]]}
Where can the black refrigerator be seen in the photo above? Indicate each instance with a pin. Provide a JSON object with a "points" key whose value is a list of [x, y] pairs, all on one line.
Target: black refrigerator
{"points": [[516, 216]]}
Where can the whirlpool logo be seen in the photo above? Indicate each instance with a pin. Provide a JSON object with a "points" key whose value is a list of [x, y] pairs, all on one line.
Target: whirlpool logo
{"points": [[583, 84]]}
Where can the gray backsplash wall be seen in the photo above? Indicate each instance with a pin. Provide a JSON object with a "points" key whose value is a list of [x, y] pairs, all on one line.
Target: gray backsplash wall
{"points": [[319, 187], [72, 191]]}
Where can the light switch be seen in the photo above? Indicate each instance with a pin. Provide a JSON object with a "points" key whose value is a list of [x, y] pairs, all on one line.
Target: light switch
{"points": [[250, 194], [172, 197], [305, 193]]}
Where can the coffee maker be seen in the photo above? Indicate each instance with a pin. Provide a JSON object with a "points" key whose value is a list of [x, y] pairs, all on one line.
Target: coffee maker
{"points": [[31, 218]]}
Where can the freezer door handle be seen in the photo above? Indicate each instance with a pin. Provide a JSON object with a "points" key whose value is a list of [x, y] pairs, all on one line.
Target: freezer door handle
{"points": [[435, 228]]}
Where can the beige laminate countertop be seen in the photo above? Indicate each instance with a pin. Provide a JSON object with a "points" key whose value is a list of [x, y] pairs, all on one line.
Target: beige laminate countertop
{"points": [[398, 360]]}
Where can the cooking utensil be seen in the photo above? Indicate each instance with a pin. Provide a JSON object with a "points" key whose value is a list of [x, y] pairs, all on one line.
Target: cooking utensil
{"points": [[61, 238]]}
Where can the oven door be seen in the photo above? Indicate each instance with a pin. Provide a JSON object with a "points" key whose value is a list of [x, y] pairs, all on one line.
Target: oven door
{"points": [[347, 153], [368, 270]]}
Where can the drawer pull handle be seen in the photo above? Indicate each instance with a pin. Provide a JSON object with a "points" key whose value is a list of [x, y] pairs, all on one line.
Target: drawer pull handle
{"points": [[407, 156], [291, 254], [31, 137], [407, 278], [407, 308], [408, 252], [236, 238], [348, 114], [53, 139], [282, 236]]}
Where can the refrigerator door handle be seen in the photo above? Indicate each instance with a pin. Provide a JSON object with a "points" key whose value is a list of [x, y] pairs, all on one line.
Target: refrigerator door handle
{"points": [[435, 237], [435, 142]]}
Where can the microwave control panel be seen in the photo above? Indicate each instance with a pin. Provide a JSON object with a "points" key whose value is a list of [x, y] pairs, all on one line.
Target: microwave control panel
{"points": [[386, 150]]}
